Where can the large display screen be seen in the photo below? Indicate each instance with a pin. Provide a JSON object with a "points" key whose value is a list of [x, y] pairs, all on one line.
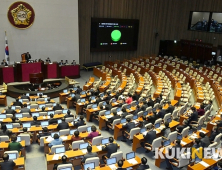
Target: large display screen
{"points": [[108, 34]]}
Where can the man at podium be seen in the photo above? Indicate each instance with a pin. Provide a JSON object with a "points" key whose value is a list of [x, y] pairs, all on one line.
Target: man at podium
{"points": [[27, 57], [4, 63]]}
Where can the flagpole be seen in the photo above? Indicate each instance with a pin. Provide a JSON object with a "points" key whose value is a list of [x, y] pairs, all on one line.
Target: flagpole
{"points": [[6, 49]]}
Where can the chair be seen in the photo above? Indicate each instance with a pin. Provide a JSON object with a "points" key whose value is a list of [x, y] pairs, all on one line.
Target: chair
{"points": [[116, 121], [149, 109], [48, 105], [15, 152], [172, 136], [185, 132], [42, 141], [64, 132], [18, 107], [15, 125], [139, 114], [69, 119], [34, 106], [129, 116], [158, 121], [97, 140], [213, 145], [53, 148], [65, 166], [94, 159], [167, 116], [25, 115], [75, 144], [42, 113], [58, 112], [26, 138], [155, 144], [217, 139], [133, 132], [4, 138], [181, 162], [83, 128], [9, 115], [174, 114]]}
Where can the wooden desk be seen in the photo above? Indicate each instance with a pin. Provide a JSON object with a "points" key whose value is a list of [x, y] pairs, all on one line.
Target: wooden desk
{"points": [[99, 73], [62, 97], [198, 166], [89, 83], [89, 112], [3, 100]]}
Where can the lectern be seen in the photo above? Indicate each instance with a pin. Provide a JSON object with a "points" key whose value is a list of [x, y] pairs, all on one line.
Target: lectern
{"points": [[36, 78]]}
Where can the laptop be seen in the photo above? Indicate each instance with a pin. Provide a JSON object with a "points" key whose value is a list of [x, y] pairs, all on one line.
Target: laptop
{"points": [[2, 116], [128, 106], [28, 107], [60, 150], [12, 156], [44, 123], [72, 95], [82, 100], [66, 168], [13, 107], [83, 145], [89, 129], [166, 143], [94, 106], [111, 161], [114, 100], [101, 94], [9, 126], [169, 120], [51, 112], [53, 133], [54, 104], [118, 109], [93, 97], [90, 165], [27, 94], [20, 100], [157, 125], [19, 139], [46, 99], [64, 111], [65, 91], [179, 137], [18, 115], [35, 114], [145, 113], [41, 105], [122, 121], [130, 155], [27, 125], [71, 132], [107, 112], [75, 88], [190, 132], [199, 127], [135, 117], [83, 92], [142, 130], [105, 141], [59, 121]]}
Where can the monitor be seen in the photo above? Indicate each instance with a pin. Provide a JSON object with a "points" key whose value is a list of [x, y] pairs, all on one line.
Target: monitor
{"points": [[157, 125], [135, 117], [94, 106], [128, 107], [53, 133], [18, 115], [107, 112], [123, 121], [82, 100], [66, 168], [179, 137], [9, 126], [90, 165], [27, 94], [111, 161], [89, 129], [169, 120], [101, 94], [142, 130], [83, 92], [83, 145], [137, 103], [75, 88], [54, 104], [114, 100], [59, 121], [12, 156], [145, 113], [2, 116], [199, 127], [51, 112], [213, 53], [20, 100], [39, 94], [118, 109], [41, 105], [130, 155], [13, 107], [35, 114], [60, 150], [27, 125], [28, 107], [93, 97], [105, 141], [65, 91], [71, 132], [19, 139], [72, 95], [190, 132], [166, 143], [64, 111], [46, 99], [104, 103], [44, 123]]}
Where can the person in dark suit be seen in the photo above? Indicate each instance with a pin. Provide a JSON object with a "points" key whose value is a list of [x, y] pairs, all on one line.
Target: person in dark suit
{"points": [[17, 103], [149, 137], [120, 164], [161, 112], [152, 118], [110, 120], [214, 133], [125, 113], [110, 148], [61, 63], [80, 122], [27, 57], [63, 125], [135, 96], [166, 131], [25, 109], [25, 97], [79, 90], [73, 62], [196, 144], [108, 97], [48, 60], [76, 97], [108, 106], [193, 116], [4, 63], [44, 133], [35, 122], [180, 128], [89, 154], [52, 120], [4, 131], [170, 109], [57, 107], [128, 126], [219, 165], [143, 165], [7, 164], [98, 99], [204, 140], [68, 114], [64, 161], [150, 102], [10, 110]]}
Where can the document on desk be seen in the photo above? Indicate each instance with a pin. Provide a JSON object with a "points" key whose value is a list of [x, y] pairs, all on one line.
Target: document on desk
{"points": [[64, 137], [183, 143], [204, 164], [55, 157], [144, 133], [202, 131], [113, 167], [84, 151], [99, 147], [49, 139], [132, 161]]}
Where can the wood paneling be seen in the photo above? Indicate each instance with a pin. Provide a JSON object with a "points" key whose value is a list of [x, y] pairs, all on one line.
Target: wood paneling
{"points": [[167, 17]]}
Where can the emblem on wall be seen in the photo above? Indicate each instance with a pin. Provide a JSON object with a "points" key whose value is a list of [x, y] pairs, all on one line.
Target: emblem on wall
{"points": [[21, 15]]}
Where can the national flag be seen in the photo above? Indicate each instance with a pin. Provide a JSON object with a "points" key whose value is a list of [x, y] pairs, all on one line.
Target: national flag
{"points": [[6, 49]]}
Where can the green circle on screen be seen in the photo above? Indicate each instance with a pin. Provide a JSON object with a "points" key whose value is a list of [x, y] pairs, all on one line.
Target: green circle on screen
{"points": [[115, 35]]}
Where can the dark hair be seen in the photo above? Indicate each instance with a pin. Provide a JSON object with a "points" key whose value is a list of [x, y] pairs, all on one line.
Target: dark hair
{"points": [[4, 127], [48, 99], [160, 107], [201, 134], [45, 129], [169, 102], [63, 119], [81, 117], [143, 108], [25, 129], [166, 124], [64, 158], [210, 101], [114, 113], [130, 95], [202, 106], [93, 128], [89, 148], [25, 105], [144, 160], [13, 119], [13, 138], [123, 109], [16, 99], [219, 163], [178, 142], [43, 108], [40, 95], [5, 157], [106, 107], [120, 163], [56, 136], [128, 119], [51, 115], [34, 118], [68, 112], [111, 139], [76, 133], [197, 140], [193, 108]]}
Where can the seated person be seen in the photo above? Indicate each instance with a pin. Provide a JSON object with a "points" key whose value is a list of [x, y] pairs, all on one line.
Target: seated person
{"points": [[95, 114], [129, 99], [128, 126], [152, 118], [120, 164], [79, 90], [48, 60], [219, 165], [166, 131], [40, 96], [75, 136], [44, 133], [25, 97], [57, 107], [98, 99], [61, 63], [25, 131], [110, 120], [73, 62], [149, 137], [180, 128], [161, 113], [89, 154], [76, 97], [17, 103], [150, 102], [204, 140], [124, 113], [15, 120], [14, 145], [170, 109], [68, 114], [196, 144], [208, 106], [56, 141], [80, 122], [64, 161], [35, 122], [10, 111], [7, 164], [52, 120], [25, 109], [4, 63], [4, 131], [63, 125], [201, 111], [93, 134], [143, 165], [144, 121], [110, 148]]}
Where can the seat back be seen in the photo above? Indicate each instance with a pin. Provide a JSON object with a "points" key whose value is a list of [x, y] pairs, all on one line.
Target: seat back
{"points": [[58, 111], [185, 131], [97, 140], [102, 112], [158, 121], [139, 114], [183, 161], [118, 155], [15, 125], [172, 136], [53, 148], [133, 132], [42, 113], [166, 116], [129, 116], [64, 166], [156, 143], [217, 139], [42, 140], [9, 115], [213, 145], [149, 109], [64, 132], [69, 119], [26, 138], [156, 105], [35, 106], [149, 125], [18, 107], [48, 105], [116, 121], [4, 138], [174, 114], [82, 128], [201, 120], [75, 144], [25, 115], [94, 159]]}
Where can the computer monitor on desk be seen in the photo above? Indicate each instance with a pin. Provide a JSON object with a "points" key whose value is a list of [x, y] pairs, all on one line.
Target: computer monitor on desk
{"points": [[130, 155], [83, 145], [60, 150], [89, 165]]}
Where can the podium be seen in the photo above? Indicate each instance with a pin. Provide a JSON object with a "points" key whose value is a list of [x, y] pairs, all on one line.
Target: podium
{"points": [[36, 78]]}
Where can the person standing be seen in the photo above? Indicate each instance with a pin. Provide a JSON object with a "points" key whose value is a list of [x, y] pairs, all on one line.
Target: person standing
{"points": [[27, 57]]}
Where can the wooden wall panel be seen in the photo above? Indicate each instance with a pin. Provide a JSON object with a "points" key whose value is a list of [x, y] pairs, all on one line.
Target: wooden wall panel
{"points": [[167, 17]]}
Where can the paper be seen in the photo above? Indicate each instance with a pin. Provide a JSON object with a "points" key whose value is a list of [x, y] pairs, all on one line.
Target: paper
{"points": [[132, 161], [64, 138], [113, 167], [183, 143], [213, 123], [202, 131], [1, 120], [49, 139], [144, 133], [204, 164], [84, 151], [99, 147], [55, 157]]}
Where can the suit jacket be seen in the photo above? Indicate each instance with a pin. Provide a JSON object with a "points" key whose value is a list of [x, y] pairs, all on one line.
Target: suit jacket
{"points": [[111, 148], [35, 123], [25, 110], [57, 107], [63, 125], [17, 104], [25, 97], [150, 136], [98, 100], [129, 126], [193, 117], [52, 120], [170, 109], [143, 167], [213, 135], [10, 111], [124, 114], [79, 123], [7, 132], [150, 103], [180, 128], [161, 113], [27, 57], [89, 155], [205, 142], [66, 116], [152, 119], [108, 106], [166, 132], [76, 98], [7, 165], [43, 134], [4, 63]]}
